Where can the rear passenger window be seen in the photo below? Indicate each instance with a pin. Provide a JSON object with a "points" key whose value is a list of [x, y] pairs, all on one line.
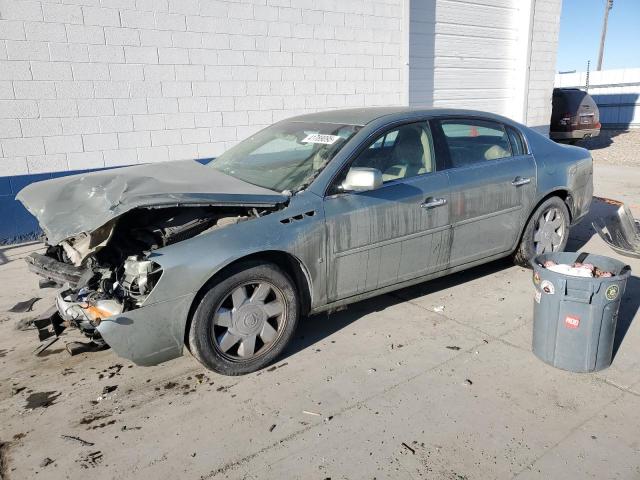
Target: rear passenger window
{"points": [[475, 141], [517, 143]]}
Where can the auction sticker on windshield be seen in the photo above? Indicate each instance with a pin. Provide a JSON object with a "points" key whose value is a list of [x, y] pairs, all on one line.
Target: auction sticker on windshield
{"points": [[320, 138]]}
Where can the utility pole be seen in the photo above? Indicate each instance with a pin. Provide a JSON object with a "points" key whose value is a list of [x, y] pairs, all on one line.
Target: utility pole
{"points": [[607, 7]]}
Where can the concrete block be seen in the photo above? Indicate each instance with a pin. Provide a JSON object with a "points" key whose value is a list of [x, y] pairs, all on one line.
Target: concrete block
{"points": [[9, 128], [121, 157], [74, 89], [195, 135], [192, 104], [183, 152], [126, 72], [85, 160], [179, 120], [130, 106], [57, 13], [12, 30], [71, 126], [18, 70], [106, 53], [162, 105], [47, 163], [118, 123], [17, 147], [63, 144], [86, 34], [45, 32], [18, 109], [122, 36], [137, 19], [165, 137], [170, 21], [26, 50], [156, 38], [134, 139], [148, 122], [190, 72], [146, 55], [68, 52], [40, 127], [153, 154], [100, 141], [173, 56], [95, 107], [111, 89], [34, 89], [90, 71], [58, 109], [106, 17]]}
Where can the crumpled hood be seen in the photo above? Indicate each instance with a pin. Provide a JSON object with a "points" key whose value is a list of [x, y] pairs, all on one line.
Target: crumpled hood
{"points": [[68, 206]]}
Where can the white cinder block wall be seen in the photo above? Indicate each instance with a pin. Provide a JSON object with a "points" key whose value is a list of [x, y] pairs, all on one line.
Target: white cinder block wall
{"points": [[542, 62], [93, 83]]}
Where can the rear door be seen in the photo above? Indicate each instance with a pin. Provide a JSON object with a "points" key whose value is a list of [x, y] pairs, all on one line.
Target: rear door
{"points": [[396, 232], [493, 185]]}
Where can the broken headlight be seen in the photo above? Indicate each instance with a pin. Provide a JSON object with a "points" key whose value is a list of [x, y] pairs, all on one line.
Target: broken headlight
{"points": [[140, 276]]}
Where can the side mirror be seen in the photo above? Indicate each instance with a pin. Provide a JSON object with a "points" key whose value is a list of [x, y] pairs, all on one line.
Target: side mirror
{"points": [[361, 179]]}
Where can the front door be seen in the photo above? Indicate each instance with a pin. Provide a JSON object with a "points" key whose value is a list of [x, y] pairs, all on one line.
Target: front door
{"points": [[396, 232], [493, 185]]}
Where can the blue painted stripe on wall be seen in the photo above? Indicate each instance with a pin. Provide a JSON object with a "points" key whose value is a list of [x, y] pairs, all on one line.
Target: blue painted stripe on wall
{"points": [[16, 223]]}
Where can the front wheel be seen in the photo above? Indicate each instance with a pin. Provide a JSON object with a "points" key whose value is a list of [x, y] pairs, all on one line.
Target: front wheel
{"points": [[547, 231], [245, 321]]}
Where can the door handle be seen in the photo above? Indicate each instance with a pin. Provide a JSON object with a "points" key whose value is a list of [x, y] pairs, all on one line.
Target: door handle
{"points": [[519, 181], [433, 202]]}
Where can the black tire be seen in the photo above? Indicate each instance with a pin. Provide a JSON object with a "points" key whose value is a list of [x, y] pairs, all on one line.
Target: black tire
{"points": [[527, 250], [203, 331]]}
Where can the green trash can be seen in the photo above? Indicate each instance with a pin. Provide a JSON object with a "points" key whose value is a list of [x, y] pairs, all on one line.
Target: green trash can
{"points": [[574, 320]]}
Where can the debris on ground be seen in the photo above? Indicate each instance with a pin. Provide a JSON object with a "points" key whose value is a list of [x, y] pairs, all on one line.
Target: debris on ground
{"points": [[467, 383], [91, 460], [41, 400], [16, 390], [439, 309], [25, 324], [108, 389], [315, 414], [413, 452], [24, 307], [371, 370], [46, 461], [453, 347], [76, 348], [272, 427], [4, 447], [77, 439]]}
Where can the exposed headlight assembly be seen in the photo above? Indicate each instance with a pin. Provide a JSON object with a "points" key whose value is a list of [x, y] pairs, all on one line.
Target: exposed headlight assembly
{"points": [[140, 276]]}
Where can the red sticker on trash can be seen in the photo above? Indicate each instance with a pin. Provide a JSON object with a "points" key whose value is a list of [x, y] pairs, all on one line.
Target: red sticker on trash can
{"points": [[571, 322]]}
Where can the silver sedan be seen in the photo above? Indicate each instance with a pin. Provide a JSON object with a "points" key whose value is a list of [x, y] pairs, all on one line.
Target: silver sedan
{"points": [[307, 215]]}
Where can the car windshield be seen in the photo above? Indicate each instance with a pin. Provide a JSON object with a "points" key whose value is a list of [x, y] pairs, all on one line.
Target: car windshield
{"points": [[285, 156]]}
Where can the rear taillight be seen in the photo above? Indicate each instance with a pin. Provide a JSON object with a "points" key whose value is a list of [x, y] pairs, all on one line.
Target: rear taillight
{"points": [[598, 125]]}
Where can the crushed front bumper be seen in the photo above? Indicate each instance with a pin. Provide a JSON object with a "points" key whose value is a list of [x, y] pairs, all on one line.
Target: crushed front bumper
{"points": [[150, 334]]}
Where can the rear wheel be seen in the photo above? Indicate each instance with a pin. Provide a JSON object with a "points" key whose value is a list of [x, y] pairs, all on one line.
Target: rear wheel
{"points": [[244, 322], [547, 231]]}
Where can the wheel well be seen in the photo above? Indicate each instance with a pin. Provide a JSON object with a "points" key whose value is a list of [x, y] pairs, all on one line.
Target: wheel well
{"points": [[287, 262], [562, 194]]}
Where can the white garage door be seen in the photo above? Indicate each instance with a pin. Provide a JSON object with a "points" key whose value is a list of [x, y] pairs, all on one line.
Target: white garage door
{"points": [[464, 54]]}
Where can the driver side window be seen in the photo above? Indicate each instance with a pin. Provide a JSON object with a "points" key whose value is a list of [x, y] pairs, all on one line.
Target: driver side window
{"points": [[404, 152]]}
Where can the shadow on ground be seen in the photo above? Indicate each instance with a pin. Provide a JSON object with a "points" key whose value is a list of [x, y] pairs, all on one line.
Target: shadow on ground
{"points": [[316, 328]]}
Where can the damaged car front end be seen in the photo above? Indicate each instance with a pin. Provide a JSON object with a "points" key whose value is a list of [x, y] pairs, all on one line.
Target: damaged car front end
{"points": [[102, 258]]}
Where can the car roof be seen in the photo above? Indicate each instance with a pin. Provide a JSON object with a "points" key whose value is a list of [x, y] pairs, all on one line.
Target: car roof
{"points": [[363, 116]]}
